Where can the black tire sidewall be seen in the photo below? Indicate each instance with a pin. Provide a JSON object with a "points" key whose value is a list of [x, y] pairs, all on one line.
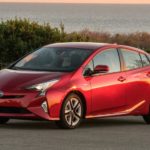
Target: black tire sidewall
{"points": [[4, 120]]}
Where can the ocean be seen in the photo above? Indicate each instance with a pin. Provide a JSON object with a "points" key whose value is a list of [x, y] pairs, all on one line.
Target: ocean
{"points": [[113, 18]]}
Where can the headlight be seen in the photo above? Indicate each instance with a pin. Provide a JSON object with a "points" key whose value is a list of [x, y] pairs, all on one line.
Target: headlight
{"points": [[42, 87]]}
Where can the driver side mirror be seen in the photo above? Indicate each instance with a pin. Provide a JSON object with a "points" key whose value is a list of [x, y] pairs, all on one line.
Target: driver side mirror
{"points": [[97, 69], [101, 69]]}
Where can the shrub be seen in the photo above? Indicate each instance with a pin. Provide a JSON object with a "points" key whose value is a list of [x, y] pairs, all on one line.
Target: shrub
{"points": [[20, 36]]}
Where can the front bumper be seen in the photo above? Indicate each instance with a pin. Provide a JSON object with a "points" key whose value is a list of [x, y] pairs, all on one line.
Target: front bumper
{"points": [[23, 105]]}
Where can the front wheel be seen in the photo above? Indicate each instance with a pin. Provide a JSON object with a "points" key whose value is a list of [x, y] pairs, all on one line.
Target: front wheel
{"points": [[147, 118], [4, 120], [71, 112]]}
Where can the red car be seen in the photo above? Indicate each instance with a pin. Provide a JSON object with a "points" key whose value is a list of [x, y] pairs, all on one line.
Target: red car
{"points": [[67, 82]]}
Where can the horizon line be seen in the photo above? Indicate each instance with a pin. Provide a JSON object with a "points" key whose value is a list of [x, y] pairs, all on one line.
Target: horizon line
{"points": [[76, 3]]}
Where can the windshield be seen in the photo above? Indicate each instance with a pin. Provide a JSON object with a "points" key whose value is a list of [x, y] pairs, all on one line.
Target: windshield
{"points": [[54, 59]]}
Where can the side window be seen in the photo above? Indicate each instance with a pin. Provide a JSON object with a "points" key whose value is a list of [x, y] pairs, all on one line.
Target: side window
{"points": [[90, 65], [132, 59], [145, 60], [148, 56], [110, 58], [88, 69]]}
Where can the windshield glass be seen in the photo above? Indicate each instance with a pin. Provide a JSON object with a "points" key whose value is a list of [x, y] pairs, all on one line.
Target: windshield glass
{"points": [[53, 59]]}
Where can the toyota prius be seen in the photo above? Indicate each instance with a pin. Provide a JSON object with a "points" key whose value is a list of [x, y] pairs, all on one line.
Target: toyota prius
{"points": [[68, 82]]}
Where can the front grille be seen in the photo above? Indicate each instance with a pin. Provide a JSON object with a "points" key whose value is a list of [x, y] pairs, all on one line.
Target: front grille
{"points": [[11, 96], [14, 110]]}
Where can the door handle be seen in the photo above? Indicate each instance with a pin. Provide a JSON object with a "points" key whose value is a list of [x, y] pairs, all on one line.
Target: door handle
{"points": [[121, 79]]}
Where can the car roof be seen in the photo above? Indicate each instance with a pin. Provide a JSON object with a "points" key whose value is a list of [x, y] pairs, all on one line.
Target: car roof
{"points": [[91, 45], [83, 45], [132, 48]]}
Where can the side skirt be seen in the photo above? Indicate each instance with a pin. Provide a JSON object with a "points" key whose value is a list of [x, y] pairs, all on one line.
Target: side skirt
{"points": [[121, 113]]}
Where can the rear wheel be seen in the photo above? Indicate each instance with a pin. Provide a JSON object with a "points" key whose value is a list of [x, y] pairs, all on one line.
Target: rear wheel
{"points": [[147, 118], [4, 120], [71, 112]]}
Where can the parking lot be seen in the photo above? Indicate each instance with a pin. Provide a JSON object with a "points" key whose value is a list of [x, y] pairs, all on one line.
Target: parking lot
{"points": [[122, 133]]}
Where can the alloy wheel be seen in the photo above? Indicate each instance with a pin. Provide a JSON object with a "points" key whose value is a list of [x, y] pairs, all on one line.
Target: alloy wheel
{"points": [[73, 112]]}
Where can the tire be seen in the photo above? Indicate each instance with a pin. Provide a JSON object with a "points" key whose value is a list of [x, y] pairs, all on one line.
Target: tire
{"points": [[147, 118], [4, 120], [71, 112]]}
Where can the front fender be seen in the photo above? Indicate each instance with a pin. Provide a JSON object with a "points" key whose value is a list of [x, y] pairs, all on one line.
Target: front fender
{"points": [[55, 99]]}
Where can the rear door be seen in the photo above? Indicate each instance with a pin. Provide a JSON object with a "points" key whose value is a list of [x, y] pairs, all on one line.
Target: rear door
{"points": [[136, 72]]}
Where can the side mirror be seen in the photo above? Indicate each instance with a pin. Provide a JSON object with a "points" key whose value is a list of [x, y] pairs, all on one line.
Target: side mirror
{"points": [[101, 69]]}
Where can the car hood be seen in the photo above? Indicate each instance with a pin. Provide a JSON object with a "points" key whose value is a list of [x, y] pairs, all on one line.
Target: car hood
{"points": [[14, 79]]}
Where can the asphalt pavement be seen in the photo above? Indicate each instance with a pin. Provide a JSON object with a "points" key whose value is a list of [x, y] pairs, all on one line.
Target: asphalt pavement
{"points": [[122, 133]]}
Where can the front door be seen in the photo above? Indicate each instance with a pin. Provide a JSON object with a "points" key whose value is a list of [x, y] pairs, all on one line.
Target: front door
{"points": [[108, 90]]}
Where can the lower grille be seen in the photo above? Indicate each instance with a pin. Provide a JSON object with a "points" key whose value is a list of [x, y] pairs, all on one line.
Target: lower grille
{"points": [[14, 110], [12, 96]]}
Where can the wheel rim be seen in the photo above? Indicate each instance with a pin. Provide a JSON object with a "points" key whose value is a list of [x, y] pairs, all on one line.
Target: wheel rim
{"points": [[73, 112]]}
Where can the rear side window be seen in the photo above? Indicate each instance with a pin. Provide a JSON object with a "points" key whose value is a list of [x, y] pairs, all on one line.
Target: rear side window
{"points": [[145, 60], [132, 59]]}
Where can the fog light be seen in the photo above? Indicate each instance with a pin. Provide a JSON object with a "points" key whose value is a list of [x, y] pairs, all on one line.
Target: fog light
{"points": [[44, 106]]}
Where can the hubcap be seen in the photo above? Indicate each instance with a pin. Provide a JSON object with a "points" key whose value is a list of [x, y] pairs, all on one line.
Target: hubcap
{"points": [[73, 111]]}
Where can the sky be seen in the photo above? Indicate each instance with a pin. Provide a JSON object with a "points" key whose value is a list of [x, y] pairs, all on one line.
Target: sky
{"points": [[82, 1]]}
